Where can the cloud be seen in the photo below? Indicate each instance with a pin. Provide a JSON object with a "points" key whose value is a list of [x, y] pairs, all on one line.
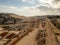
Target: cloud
{"points": [[28, 1], [55, 4], [46, 1], [24, 10], [12, 7], [8, 9], [45, 7], [45, 10], [29, 11], [51, 3], [56, 0], [38, 11]]}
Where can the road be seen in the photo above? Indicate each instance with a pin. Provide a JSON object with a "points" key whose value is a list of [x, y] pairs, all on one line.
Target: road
{"points": [[51, 38], [28, 39]]}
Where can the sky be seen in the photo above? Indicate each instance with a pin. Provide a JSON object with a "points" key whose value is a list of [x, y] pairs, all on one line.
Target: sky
{"points": [[30, 7]]}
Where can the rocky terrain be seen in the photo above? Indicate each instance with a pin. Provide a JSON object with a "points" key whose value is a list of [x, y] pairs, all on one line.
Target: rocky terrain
{"points": [[36, 30]]}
